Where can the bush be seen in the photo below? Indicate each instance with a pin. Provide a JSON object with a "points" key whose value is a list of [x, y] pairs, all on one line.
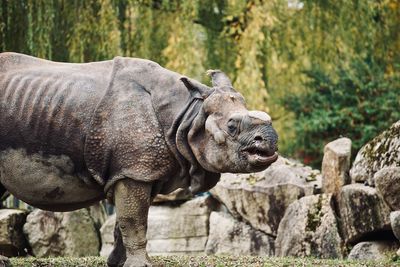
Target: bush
{"points": [[356, 102]]}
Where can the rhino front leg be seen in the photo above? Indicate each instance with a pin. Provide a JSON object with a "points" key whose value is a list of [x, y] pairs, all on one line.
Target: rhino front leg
{"points": [[4, 261], [132, 202]]}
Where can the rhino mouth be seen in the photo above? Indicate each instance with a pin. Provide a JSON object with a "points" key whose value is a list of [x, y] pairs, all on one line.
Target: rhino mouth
{"points": [[260, 156]]}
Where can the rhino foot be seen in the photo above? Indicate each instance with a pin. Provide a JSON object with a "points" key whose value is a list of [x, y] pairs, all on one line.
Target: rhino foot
{"points": [[135, 261], [4, 261]]}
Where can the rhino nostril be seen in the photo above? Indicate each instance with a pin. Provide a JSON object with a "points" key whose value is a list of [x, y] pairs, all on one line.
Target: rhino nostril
{"points": [[258, 138]]}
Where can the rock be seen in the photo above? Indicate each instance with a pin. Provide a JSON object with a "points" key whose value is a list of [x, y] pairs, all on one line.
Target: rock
{"points": [[172, 229], [229, 236], [98, 213], [395, 223], [362, 211], [262, 198], [373, 250], [178, 194], [189, 219], [52, 234], [179, 246], [387, 183], [309, 228], [12, 240], [107, 236], [179, 229], [335, 165], [380, 152]]}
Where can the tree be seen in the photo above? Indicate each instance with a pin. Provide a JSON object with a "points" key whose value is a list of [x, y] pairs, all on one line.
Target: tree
{"points": [[356, 102]]}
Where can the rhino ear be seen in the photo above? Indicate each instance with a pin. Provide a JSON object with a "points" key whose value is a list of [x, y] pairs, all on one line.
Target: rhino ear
{"points": [[219, 79], [196, 89]]}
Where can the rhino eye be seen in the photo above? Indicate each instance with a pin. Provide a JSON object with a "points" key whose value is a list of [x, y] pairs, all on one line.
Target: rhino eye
{"points": [[232, 127]]}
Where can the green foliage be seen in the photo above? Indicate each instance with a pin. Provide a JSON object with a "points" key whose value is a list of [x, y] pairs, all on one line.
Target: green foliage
{"points": [[264, 46], [356, 102]]}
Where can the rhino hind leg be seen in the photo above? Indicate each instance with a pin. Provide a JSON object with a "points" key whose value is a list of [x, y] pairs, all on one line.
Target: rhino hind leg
{"points": [[117, 257]]}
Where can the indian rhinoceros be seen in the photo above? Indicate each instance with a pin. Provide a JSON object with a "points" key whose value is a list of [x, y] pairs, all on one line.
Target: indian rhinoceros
{"points": [[124, 129]]}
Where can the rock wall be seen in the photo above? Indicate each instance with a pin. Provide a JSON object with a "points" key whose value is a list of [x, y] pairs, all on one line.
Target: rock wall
{"points": [[309, 228], [52, 234], [287, 210]]}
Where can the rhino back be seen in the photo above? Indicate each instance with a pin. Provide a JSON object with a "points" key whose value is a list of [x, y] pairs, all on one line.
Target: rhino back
{"points": [[47, 106]]}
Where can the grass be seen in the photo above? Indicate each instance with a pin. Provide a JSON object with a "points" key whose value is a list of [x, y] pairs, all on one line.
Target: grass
{"points": [[201, 261]]}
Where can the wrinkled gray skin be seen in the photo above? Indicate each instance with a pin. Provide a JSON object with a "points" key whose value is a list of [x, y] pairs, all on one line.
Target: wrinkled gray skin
{"points": [[126, 129]]}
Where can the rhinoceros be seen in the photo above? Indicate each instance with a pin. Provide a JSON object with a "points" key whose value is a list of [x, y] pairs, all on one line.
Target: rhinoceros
{"points": [[125, 129]]}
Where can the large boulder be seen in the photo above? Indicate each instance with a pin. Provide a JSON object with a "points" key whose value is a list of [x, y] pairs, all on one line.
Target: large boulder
{"points": [[98, 213], [262, 198], [12, 240], [336, 165], [172, 229], [309, 228], [387, 183], [395, 223], [179, 229], [231, 237], [373, 250], [52, 234], [362, 212], [107, 236], [380, 152]]}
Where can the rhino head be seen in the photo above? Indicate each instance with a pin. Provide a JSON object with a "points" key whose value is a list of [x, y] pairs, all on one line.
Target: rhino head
{"points": [[230, 138]]}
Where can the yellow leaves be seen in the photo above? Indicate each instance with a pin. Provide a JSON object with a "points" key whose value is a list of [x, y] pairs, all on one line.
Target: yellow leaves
{"points": [[250, 80], [185, 51], [95, 34]]}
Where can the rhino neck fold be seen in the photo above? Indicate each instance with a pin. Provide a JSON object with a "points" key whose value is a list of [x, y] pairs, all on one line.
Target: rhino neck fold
{"points": [[196, 176]]}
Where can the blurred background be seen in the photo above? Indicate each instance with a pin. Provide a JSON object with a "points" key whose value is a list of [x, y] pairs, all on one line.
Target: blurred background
{"points": [[322, 69]]}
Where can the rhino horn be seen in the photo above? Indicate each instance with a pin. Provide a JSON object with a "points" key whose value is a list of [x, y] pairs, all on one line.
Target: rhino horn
{"points": [[196, 88], [255, 114], [219, 79]]}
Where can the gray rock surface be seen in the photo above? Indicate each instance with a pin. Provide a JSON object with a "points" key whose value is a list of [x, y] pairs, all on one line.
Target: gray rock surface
{"points": [[380, 152], [52, 234], [387, 183], [336, 165], [172, 229], [107, 236], [12, 240], [231, 237], [179, 229], [395, 223], [362, 211], [373, 250], [309, 228], [262, 198], [98, 213]]}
